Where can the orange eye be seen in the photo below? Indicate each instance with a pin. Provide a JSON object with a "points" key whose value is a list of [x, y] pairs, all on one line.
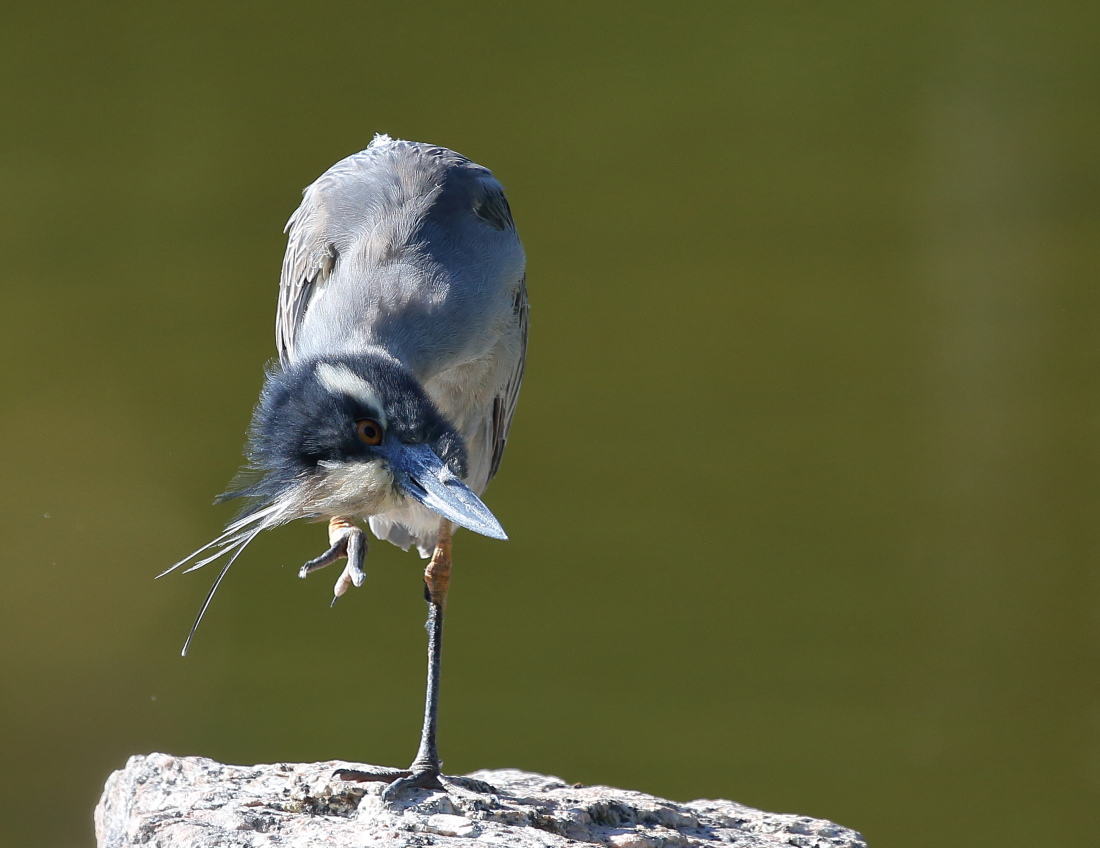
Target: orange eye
{"points": [[369, 431]]}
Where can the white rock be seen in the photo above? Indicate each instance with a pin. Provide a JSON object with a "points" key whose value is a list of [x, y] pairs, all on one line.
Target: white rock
{"points": [[167, 801], [446, 825]]}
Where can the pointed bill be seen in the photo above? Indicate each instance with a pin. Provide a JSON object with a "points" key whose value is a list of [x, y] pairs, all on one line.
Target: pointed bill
{"points": [[424, 476]]}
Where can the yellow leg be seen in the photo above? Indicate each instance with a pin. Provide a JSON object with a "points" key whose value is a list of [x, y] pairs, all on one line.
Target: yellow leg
{"points": [[338, 528], [437, 576]]}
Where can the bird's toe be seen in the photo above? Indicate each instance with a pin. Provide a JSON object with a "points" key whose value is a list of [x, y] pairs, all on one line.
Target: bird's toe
{"points": [[420, 779]]}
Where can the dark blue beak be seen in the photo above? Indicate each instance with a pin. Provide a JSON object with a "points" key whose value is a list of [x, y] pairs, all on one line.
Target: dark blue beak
{"points": [[424, 476]]}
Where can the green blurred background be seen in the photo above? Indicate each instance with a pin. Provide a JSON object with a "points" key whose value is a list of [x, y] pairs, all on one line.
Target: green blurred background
{"points": [[803, 486]]}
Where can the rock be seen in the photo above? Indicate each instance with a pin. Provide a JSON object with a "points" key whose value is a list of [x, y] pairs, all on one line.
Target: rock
{"points": [[167, 801]]}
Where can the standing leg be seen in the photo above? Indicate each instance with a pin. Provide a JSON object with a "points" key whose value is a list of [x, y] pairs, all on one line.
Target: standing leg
{"points": [[425, 769]]}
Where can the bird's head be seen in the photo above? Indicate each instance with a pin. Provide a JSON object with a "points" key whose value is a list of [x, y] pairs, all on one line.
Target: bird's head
{"points": [[355, 435]]}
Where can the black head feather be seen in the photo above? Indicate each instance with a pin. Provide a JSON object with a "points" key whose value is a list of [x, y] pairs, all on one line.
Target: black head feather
{"points": [[300, 422]]}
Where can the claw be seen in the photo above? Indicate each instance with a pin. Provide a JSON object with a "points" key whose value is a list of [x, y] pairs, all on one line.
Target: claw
{"points": [[327, 558], [399, 780], [346, 540], [379, 774]]}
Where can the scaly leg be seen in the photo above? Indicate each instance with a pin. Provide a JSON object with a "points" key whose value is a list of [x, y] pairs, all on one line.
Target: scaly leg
{"points": [[425, 769]]}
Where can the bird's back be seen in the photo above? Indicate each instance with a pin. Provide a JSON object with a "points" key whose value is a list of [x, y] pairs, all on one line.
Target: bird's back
{"points": [[411, 249]]}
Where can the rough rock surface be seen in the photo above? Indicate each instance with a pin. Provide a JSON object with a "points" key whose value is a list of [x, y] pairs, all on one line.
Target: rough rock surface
{"points": [[161, 800]]}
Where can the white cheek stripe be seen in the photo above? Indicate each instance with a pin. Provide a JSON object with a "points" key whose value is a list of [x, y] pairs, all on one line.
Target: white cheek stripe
{"points": [[339, 379]]}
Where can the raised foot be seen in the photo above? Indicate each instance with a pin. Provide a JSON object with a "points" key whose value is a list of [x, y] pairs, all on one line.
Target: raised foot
{"points": [[347, 540]]}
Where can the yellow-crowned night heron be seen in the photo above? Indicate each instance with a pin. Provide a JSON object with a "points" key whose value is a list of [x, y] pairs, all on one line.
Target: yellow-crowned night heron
{"points": [[401, 331]]}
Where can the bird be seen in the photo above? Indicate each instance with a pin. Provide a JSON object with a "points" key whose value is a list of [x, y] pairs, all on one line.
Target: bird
{"points": [[401, 334]]}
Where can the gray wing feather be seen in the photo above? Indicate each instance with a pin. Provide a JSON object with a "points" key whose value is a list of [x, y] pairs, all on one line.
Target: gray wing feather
{"points": [[504, 404], [306, 265], [311, 256]]}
